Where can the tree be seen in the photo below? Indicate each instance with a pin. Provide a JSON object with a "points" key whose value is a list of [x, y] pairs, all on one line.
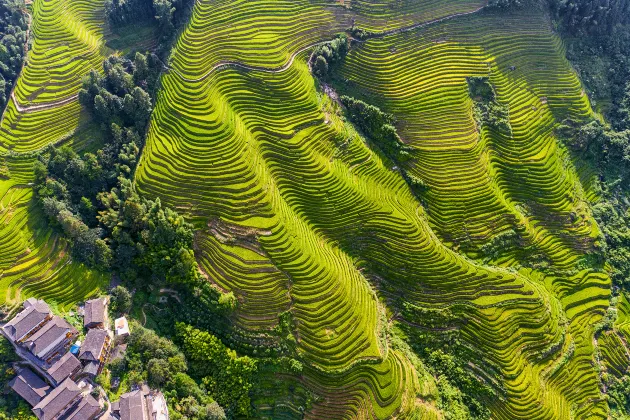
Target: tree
{"points": [[120, 300], [141, 69], [215, 412], [321, 66], [158, 372], [164, 11], [227, 377]]}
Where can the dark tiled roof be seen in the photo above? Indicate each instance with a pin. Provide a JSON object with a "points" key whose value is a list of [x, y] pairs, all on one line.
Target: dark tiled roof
{"points": [[55, 329], [35, 311], [94, 311], [29, 386], [64, 367], [132, 406], [93, 344], [57, 400], [86, 409], [91, 368]]}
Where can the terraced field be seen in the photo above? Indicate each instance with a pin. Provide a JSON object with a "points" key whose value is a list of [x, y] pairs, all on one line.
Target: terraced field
{"points": [[296, 211], [33, 260], [67, 44]]}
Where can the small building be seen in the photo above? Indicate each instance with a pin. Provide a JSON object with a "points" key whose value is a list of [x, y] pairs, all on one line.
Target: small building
{"points": [[59, 401], [158, 409], [122, 327], [35, 315], [131, 406], [95, 350], [51, 339], [86, 409], [29, 386], [66, 367], [95, 313]]}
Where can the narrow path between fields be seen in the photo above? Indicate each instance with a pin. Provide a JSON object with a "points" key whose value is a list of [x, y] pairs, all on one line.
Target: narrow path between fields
{"points": [[39, 107]]}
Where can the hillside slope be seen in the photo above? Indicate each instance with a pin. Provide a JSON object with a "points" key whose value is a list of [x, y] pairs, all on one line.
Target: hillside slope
{"points": [[301, 215], [295, 212]]}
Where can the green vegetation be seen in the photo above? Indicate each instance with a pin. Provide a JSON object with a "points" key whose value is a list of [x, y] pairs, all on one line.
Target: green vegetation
{"points": [[326, 57], [65, 47], [158, 361], [377, 126], [13, 38], [422, 218], [226, 377], [92, 199], [486, 108], [166, 14], [12, 406]]}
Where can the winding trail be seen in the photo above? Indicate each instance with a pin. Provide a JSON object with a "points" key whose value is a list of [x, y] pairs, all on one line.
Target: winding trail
{"points": [[225, 64], [40, 107]]}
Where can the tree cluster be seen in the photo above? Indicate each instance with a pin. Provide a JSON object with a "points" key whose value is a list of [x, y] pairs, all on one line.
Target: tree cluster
{"points": [[121, 96], [116, 228], [159, 362], [167, 14], [603, 63], [608, 151], [13, 37], [595, 17], [92, 198], [378, 126], [487, 110], [12, 406], [327, 56], [227, 377]]}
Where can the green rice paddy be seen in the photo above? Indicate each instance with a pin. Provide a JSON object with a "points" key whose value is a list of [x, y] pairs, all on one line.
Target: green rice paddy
{"points": [[296, 211]]}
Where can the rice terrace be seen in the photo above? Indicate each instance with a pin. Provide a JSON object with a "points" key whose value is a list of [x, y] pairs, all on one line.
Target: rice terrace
{"points": [[321, 209]]}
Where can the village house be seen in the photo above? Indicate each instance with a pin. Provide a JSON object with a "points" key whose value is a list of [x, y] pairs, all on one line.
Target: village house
{"points": [[66, 367], [67, 402], [44, 339], [95, 351], [122, 327], [36, 314], [29, 386], [63, 402], [141, 405], [95, 313], [86, 409], [131, 406], [51, 340]]}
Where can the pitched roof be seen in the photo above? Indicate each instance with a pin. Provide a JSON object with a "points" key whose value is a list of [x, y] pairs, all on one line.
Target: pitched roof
{"points": [[49, 335], [132, 406], [91, 368], [58, 399], [35, 311], [94, 311], [29, 386], [93, 344], [86, 409], [64, 367]]}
